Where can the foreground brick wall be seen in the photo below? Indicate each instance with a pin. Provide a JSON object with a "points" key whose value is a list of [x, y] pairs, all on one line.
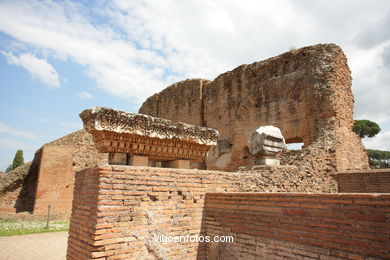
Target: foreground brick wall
{"points": [[54, 186], [365, 181], [299, 226], [117, 210]]}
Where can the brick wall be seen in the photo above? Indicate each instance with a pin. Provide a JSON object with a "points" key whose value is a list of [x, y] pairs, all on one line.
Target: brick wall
{"points": [[54, 185], [364, 181], [299, 226], [117, 210]]}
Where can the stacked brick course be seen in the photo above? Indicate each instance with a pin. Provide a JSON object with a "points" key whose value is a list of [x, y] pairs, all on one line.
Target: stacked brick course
{"points": [[299, 226], [118, 210], [365, 181]]}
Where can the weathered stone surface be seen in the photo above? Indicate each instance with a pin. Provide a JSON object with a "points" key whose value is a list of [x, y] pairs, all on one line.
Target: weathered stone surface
{"points": [[85, 154], [136, 134], [305, 92], [180, 102], [107, 119], [266, 140], [265, 143], [18, 187]]}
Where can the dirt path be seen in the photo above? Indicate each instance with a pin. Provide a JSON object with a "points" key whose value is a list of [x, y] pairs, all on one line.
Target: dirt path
{"points": [[50, 246]]}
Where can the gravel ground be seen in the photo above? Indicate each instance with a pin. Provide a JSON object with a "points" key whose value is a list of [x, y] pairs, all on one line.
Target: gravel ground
{"points": [[50, 246]]}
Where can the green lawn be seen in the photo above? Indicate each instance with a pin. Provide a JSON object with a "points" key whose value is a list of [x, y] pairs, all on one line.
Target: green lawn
{"points": [[17, 227]]}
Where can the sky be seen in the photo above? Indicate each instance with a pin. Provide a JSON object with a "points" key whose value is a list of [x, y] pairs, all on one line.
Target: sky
{"points": [[58, 58]]}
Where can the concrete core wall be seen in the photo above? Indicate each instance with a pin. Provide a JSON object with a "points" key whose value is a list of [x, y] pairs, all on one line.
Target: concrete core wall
{"points": [[119, 210], [305, 92]]}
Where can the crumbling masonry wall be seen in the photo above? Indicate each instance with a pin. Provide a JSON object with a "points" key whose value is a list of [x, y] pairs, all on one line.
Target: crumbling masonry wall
{"points": [[18, 188], [305, 92], [54, 185], [117, 211]]}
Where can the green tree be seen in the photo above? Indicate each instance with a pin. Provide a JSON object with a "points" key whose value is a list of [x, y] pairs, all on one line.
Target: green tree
{"points": [[18, 159], [378, 158], [366, 128]]}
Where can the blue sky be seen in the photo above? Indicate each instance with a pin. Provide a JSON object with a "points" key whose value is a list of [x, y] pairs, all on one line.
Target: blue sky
{"points": [[60, 57]]}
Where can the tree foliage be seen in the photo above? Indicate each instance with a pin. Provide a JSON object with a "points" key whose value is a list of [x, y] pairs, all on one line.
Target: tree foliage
{"points": [[9, 168], [378, 158], [366, 128], [18, 159]]}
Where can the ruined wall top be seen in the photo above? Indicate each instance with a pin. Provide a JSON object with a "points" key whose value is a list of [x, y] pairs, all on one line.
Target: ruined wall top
{"points": [[305, 92], [107, 119]]}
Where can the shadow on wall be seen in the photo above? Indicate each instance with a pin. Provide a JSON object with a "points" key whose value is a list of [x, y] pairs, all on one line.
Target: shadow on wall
{"points": [[201, 253], [26, 198]]}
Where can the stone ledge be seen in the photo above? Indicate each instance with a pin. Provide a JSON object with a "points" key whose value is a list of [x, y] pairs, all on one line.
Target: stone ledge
{"points": [[108, 119], [127, 135]]}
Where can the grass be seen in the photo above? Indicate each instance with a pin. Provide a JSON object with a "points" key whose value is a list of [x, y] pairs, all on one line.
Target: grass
{"points": [[17, 227]]}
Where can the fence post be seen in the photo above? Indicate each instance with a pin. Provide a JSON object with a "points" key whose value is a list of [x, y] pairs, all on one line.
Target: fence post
{"points": [[48, 217]]}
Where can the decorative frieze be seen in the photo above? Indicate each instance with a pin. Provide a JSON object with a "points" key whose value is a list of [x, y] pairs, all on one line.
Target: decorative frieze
{"points": [[116, 131]]}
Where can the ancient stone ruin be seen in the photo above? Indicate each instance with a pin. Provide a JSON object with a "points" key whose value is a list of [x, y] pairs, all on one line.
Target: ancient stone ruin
{"points": [[49, 178], [305, 92], [135, 139], [123, 211], [120, 204]]}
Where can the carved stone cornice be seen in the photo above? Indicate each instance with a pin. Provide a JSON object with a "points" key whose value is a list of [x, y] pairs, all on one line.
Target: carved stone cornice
{"points": [[118, 131]]}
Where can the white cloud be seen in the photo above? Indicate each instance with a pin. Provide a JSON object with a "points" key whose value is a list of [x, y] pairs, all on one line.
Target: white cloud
{"points": [[145, 45], [38, 68], [117, 66], [85, 95], [4, 128], [371, 83], [380, 142]]}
